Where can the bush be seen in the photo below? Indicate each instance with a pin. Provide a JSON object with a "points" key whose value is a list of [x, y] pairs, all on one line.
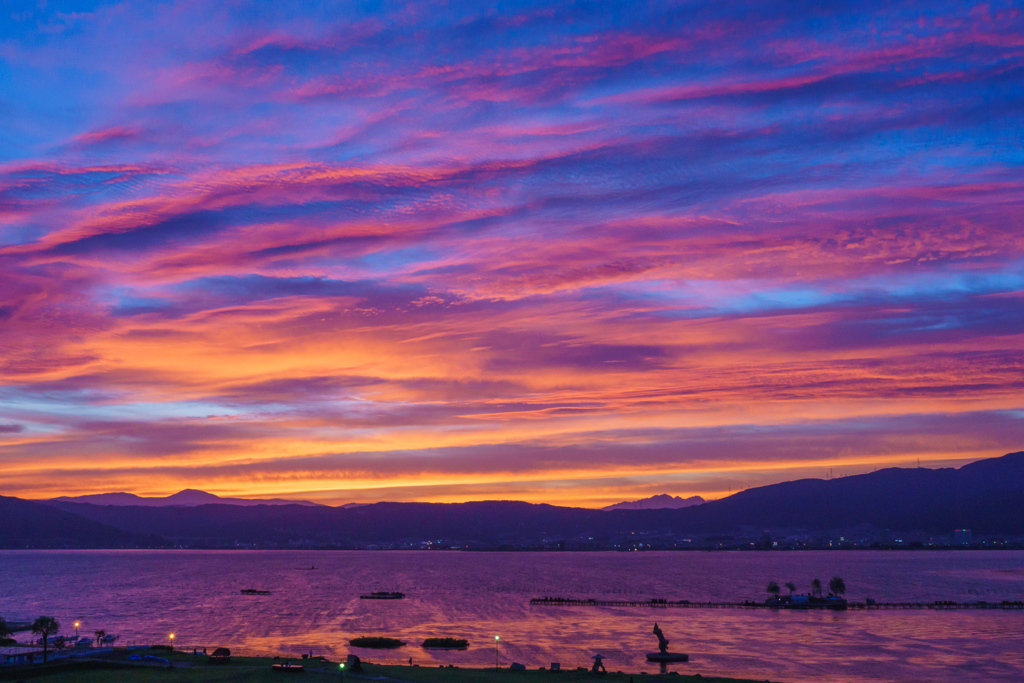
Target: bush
{"points": [[376, 642], [446, 643]]}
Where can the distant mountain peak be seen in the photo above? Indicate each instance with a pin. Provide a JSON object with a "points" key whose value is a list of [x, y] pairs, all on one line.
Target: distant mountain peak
{"points": [[658, 502], [183, 498], [191, 497]]}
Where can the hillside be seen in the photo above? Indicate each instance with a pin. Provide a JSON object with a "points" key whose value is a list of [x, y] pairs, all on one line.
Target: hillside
{"points": [[986, 496], [28, 524]]}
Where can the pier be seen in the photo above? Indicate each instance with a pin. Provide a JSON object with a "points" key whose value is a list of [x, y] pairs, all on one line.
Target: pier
{"points": [[868, 605]]}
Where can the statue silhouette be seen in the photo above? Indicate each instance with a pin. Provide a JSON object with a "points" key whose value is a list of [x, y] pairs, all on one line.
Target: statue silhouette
{"points": [[662, 640], [665, 655]]}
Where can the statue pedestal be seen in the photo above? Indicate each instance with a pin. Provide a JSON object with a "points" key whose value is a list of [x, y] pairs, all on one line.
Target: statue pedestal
{"points": [[667, 657]]}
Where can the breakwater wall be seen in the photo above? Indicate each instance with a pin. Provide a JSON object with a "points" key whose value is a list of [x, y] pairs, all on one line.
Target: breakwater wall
{"points": [[869, 605]]}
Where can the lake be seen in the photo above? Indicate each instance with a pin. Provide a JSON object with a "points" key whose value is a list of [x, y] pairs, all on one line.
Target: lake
{"points": [[143, 596]]}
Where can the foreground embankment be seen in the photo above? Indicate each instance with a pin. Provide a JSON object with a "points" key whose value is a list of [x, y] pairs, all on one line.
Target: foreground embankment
{"points": [[181, 667]]}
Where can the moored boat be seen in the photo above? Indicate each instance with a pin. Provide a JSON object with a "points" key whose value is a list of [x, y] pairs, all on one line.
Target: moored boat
{"points": [[383, 595]]}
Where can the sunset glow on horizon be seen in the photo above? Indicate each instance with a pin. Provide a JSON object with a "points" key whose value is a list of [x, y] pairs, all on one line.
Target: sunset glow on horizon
{"points": [[572, 254]]}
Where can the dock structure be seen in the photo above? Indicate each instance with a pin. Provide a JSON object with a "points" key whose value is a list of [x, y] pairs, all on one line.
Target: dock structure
{"points": [[749, 604], [17, 626]]}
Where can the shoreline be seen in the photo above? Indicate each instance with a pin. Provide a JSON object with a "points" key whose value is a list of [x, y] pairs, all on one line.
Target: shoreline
{"points": [[186, 667], [1009, 547]]}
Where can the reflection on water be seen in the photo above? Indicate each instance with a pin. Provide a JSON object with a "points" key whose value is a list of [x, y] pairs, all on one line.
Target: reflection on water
{"points": [[145, 595]]}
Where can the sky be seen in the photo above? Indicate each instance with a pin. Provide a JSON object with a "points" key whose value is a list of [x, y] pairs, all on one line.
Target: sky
{"points": [[573, 253]]}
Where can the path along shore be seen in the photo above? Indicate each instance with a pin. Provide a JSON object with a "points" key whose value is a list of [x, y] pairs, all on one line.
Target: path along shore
{"points": [[185, 667]]}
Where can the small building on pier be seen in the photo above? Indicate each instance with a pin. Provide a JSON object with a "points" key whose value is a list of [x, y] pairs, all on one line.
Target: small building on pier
{"points": [[21, 654], [962, 536]]}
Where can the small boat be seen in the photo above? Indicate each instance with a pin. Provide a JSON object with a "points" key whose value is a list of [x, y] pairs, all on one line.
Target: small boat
{"points": [[253, 591], [383, 595], [288, 668], [109, 638]]}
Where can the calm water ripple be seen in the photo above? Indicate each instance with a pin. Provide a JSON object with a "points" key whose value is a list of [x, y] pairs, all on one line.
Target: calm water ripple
{"points": [[145, 595]]}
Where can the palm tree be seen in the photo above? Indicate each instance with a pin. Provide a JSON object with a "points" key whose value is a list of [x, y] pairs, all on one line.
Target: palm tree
{"points": [[791, 586], [816, 587], [773, 588], [5, 631], [45, 627], [99, 637], [837, 586]]}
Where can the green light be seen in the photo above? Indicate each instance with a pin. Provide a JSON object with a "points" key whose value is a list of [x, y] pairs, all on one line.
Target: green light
{"points": [[342, 665]]}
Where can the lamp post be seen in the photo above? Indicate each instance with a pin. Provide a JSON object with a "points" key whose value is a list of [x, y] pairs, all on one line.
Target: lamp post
{"points": [[76, 630], [496, 639], [341, 671], [172, 641]]}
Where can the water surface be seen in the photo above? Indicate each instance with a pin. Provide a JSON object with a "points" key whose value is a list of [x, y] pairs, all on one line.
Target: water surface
{"points": [[145, 595]]}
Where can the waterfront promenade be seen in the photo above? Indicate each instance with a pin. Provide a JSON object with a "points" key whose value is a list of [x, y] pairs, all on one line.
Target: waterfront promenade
{"points": [[186, 667]]}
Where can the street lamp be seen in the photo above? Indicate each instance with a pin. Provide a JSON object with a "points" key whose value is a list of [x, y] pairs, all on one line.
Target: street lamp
{"points": [[172, 641], [496, 639], [76, 630], [341, 671]]}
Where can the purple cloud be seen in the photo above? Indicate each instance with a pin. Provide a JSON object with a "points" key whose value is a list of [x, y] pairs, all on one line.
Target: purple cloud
{"points": [[281, 247]]}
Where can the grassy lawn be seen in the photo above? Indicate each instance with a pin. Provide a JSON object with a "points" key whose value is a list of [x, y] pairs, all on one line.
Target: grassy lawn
{"points": [[257, 670]]}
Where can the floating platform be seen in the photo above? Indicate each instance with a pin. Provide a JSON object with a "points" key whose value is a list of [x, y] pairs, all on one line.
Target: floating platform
{"points": [[686, 604], [253, 591], [383, 595], [666, 657]]}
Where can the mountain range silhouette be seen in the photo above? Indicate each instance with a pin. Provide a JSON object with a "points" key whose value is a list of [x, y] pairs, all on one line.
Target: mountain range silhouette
{"points": [[658, 502], [184, 498], [986, 496]]}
